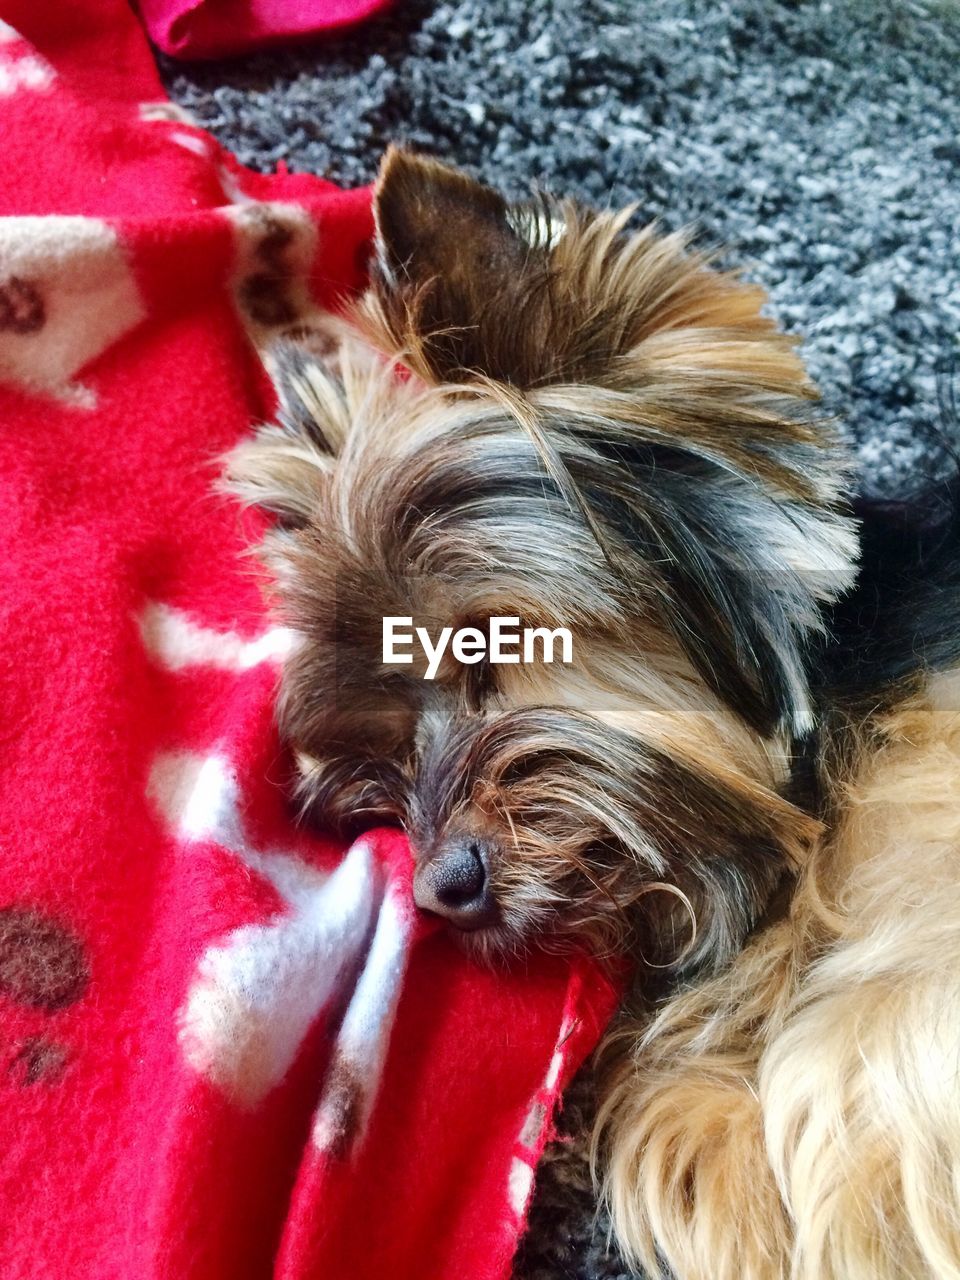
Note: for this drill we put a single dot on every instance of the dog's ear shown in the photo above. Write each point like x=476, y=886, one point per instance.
x=438, y=227
x=456, y=265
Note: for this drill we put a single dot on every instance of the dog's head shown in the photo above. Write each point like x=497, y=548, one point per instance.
x=540, y=414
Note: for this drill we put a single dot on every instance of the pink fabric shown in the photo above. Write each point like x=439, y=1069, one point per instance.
x=212, y=28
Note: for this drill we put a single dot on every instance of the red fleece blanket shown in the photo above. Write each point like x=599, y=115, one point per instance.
x=208, y=29
x=229, y=1048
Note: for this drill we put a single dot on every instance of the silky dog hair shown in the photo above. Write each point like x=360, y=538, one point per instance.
x=797, y=1115
x=538, y=411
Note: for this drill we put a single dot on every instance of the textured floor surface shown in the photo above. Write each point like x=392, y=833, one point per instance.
x=820, y=139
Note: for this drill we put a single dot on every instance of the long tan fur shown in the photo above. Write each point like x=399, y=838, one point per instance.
x=799, y=1116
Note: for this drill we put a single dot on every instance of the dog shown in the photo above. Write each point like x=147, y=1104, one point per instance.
x=538, y=412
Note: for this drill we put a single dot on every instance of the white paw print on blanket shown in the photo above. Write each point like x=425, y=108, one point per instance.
x=66, y=294
x=257, y=991
x=21, y=67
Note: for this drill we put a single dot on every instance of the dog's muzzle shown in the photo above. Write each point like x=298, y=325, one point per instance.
x=455, y=883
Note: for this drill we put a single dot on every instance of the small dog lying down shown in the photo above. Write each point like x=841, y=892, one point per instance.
x=536, y=412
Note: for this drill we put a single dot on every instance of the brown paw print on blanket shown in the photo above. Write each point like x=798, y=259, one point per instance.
x=42, y=966
x=276, y=246
x=22, y=308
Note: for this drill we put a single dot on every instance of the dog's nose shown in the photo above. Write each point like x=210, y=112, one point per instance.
x=454, y=883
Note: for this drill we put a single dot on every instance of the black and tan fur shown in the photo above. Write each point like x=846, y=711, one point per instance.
x=538, y=412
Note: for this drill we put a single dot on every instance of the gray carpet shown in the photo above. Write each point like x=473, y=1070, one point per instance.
x=820, y=139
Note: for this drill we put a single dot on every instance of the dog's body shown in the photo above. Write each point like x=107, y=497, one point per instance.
x=536, y=414
x=798, y=1115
